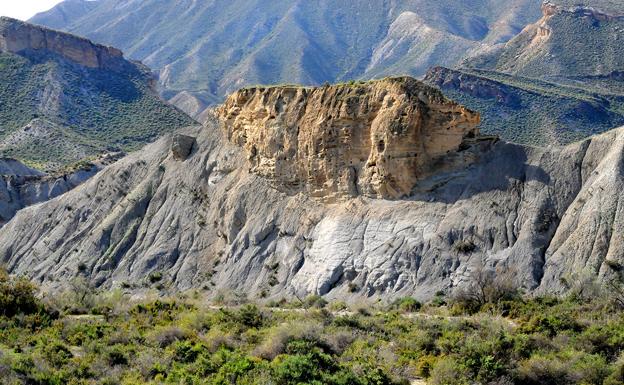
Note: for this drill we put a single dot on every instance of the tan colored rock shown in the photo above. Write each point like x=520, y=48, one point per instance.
x=375, y=139
x=17, y=36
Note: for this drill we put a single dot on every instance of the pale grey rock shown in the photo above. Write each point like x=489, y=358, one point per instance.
x=209, y=223
x=9, y=166
x=22, y=186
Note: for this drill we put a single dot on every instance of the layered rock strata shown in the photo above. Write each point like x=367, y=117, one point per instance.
x=375, y=139
x=17, y=36
x=542, y=216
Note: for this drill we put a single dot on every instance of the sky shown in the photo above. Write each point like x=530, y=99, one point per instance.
x=25, y=9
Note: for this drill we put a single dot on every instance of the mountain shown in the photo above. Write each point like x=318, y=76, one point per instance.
x=355, y=190
x=63, y=98
x=211, y=48
x=557, y=81
x=533, y=111
x=568, y=41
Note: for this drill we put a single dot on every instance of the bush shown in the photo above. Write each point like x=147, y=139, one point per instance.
x=116, y=356
x=551, y=324
x=485, y=287
x=250, y=316
x=314, y=301
x=447, y=371
x=569, y=368
x=408, y=305
x=464, y=246
x=154, y=277
x=17, y=296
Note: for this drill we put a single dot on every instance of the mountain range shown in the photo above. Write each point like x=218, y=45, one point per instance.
x=539, y=72
x=211, y=48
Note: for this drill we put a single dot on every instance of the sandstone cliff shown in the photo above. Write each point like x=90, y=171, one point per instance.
x=17, y=36
x=375, y=138
x=203, y=220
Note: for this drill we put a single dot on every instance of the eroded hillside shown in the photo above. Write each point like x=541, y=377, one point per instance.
x=198, y=216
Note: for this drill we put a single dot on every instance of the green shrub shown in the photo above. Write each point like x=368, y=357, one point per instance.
x=57, y=354
x=17, y=296
x=250, y=316
x=314, y=301
x=566, y=369
x=447, y=371
x=552, y=324
x=117, y=356
x=407, y=305
x=154, y=277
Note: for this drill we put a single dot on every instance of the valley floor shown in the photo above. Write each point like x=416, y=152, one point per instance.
x=83, y=337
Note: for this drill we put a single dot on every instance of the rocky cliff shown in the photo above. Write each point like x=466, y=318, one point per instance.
x=17, y=36
x=375, y=139
x=190, y=211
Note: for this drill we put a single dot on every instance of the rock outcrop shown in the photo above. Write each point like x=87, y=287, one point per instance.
x=375, y=139
x=209, y=223
x=17, y=36
x=21, y=186
x=181, y=146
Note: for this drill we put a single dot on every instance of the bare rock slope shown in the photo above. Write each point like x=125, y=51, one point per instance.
x=21, y=186
x=208, y=220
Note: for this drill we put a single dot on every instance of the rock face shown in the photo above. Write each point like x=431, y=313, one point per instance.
x=181, y=146
x=375, y=139
x=210, y=223
x=17, y=36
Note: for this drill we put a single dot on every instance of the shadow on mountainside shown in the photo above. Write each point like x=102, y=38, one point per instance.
x=500, y=167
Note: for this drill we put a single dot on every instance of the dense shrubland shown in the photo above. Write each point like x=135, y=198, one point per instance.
x=83, y=111
x=487, y=334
